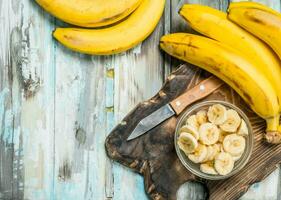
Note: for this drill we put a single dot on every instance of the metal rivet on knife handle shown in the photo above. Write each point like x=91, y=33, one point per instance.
x=200, y=91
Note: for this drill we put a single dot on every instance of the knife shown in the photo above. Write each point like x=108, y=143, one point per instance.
x=176, y=106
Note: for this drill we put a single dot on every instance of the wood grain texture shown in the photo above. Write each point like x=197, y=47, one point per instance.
x=57, y=107
x=153, y=154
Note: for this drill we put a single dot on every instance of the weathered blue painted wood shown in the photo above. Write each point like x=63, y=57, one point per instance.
x=57, y=107
x=35, y=75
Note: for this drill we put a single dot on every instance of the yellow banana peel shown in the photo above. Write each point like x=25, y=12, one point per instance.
x=215, y=24
x=90, y=13
x=115, y=39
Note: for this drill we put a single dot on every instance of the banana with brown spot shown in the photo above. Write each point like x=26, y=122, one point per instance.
x=90, y=13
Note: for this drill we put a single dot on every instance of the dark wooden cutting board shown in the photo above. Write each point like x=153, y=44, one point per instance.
x=153, y=154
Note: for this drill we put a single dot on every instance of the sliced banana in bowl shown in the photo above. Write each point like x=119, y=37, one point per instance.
x=209, y=133
x=217, y=114
x=187, y=143
x=214, y=139
x=232, y=121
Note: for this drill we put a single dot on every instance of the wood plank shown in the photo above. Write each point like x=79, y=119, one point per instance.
x=268, y=189
x=6, y=107
x=138, y=76
x=35, y=76
x=26, y=130
x=79, y=126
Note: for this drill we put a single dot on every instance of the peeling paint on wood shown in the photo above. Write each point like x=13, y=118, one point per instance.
x=57, y=107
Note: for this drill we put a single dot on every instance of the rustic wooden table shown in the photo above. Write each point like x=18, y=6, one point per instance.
x=57, y=107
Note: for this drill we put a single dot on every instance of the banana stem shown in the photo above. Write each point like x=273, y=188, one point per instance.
x=273, y=123
x=273, y=130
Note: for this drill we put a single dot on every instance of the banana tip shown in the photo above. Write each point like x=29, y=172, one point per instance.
x=54, y=32
x=273, y=137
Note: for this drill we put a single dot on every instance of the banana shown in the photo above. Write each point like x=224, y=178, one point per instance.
x=231, y=66
x=187, y=143
x=208, y=168
x=234, y=144
x=217, y=114
x=232, y=122
x=215, y=24
x=213, y=151
x=241, y=4
x=115, y=39
x=224, y=163
x=201, y=117
x=192, y=121
x=209, y=133
x=190, y=129
x=259, y=20
x=243, y=129
x=199, y=155
x=90, y=13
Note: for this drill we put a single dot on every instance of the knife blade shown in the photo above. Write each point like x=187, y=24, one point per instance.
x=175, y=107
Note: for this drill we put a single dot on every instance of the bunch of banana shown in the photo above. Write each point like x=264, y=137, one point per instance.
x=233, y=67
x=264, y=23
x=215, y=24
x=229, y=51
x=90, y=13
x=200, y=140
x=119, y=37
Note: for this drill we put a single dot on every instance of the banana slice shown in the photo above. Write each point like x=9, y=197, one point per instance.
x=192, y=120
x=209, y=133
x=187, y=143
x=221, y=148
x=234, y=144
x=190, y=129
x=243, y=129
x=208, y=168
x=213, y=151
x=222, y=135
x=224, y=163
x=217, y=114
x=201, y=117
x=232, y=122
x=210, y=153
x=216, y=151
x=199, y=154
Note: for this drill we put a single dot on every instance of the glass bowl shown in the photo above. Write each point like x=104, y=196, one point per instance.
x=194, y=167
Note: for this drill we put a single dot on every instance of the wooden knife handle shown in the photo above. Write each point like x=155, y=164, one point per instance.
x=198, y=92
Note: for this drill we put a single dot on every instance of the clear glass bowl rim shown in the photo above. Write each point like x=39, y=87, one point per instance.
x=245, y=157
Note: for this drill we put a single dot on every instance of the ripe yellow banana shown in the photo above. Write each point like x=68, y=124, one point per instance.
x=260, y=20
x=90, y=13
x=115, y=39
x=214, y=24
x=231, y=66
